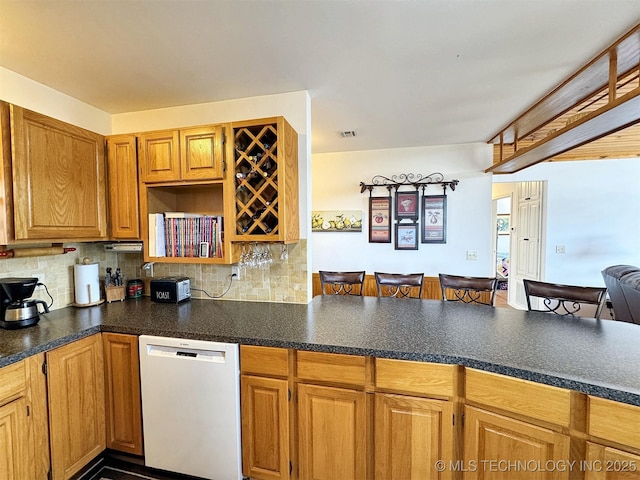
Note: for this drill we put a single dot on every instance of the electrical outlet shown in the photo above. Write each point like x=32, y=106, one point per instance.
x=560, y=249
x=472, y=255
x=235, y=271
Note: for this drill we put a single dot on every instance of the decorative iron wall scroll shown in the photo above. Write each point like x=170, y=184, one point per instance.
x=408, y=187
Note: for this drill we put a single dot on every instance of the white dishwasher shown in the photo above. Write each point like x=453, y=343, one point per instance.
x=191, y=406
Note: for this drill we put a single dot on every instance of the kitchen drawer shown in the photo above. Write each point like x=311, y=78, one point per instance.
x=13, y=382
x=416, y=377
x=614, y=421
x=331, y=367
x=534, y=400
x=269, y=361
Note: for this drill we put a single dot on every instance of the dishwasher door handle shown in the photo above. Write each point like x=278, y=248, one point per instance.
x=214, y=356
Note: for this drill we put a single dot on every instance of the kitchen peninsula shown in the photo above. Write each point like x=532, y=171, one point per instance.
x=599, y=357
x=370, y=364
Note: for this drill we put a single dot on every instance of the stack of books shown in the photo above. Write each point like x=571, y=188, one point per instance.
x=179, y=234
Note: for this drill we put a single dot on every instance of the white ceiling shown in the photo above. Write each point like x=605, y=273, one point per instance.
x=399, y=73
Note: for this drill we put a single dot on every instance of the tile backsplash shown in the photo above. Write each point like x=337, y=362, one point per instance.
x=284, y=280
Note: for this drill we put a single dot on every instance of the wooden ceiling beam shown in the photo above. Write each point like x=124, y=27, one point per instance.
x=601, y=98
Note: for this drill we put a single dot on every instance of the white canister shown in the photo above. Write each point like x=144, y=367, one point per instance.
x=87, y=283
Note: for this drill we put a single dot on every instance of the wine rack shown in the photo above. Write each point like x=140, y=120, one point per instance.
x=264, y=175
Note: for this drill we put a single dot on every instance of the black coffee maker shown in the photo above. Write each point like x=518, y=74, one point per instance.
x=16, y=309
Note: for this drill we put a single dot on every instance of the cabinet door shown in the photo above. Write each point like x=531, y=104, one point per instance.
x=122, y=167
x=606, y=463
x=265, y=428
x=501, y=448
x=332, y=424
x=411, y=435
x=7, y=234
x=159, y=156
x=59, y=179
x=264, y=183
x=75, y=381
x=14, y=457
x=122, y=392
x=201, y=153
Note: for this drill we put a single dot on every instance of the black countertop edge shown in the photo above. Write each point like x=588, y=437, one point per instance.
x=538, y=377
x=58, y=342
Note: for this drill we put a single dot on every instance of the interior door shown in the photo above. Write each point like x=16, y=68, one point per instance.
x=526, y=240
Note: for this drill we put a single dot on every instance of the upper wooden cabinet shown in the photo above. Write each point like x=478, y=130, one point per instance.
x=58, y=187
x=188, y=154
x=158, y=156
x=201, y=153
x=122, y=168
x=264, y=184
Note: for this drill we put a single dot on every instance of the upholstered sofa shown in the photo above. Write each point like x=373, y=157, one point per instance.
x=623, y=286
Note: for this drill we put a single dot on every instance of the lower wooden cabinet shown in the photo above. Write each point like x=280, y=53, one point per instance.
x=502, y=448
x=612, y=427
x=75, y=379
x=332, y=433
x=24, y=434
x=607, y=463
x=265, y=428
x=411, y=435
x=14, y=437
x=122, y=393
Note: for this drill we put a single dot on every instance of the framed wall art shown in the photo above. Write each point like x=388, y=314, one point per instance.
x=336, y=221
x=379, y=219
x=406, y=236
x=502, y=223
x=434, y=219
x=407, y=206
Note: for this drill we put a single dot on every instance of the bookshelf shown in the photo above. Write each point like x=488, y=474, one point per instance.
x=201, y=198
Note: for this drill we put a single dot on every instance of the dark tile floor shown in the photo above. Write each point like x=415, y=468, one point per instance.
x=116, y=469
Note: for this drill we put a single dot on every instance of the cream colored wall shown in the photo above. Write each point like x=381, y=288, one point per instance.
x=290, y=105
x=19, y=90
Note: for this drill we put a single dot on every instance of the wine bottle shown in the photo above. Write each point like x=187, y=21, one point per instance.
x=245, y=228
x=256, y=215
x=243, y=194
x=270, y=222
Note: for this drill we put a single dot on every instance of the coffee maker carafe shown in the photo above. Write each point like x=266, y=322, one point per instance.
x=16, y=309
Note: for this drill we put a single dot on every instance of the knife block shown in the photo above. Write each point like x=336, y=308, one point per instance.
x=114, y=293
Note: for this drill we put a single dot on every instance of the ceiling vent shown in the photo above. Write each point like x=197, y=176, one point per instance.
x=348, y=133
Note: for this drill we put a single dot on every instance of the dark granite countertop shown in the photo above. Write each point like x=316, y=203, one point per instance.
x=601, y=358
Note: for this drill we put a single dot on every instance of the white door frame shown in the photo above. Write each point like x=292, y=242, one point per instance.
x=509, y=189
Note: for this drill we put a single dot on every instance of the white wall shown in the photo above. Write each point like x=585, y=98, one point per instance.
x=593, y=210
x=335, y=186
